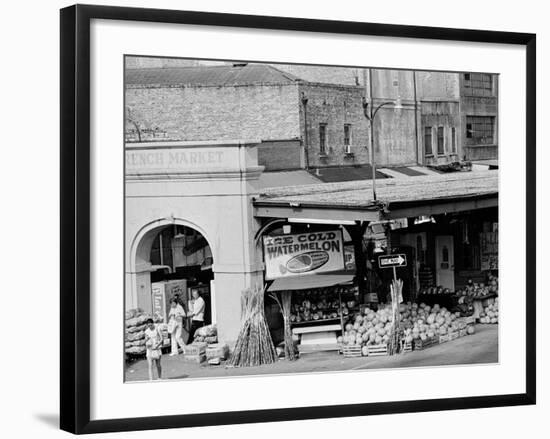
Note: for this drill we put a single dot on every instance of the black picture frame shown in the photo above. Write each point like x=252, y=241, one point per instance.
x=75, y=217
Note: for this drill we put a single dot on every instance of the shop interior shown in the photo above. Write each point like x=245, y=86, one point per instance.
x=182, y=262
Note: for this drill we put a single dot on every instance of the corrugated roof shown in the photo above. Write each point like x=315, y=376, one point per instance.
x=242, y=74
x=286, y=178
x=347, y=173
x=359, y=193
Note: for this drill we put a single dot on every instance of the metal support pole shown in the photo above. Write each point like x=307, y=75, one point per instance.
x=372, y=158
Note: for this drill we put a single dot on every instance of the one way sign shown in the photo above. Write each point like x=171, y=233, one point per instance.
x=388, y=261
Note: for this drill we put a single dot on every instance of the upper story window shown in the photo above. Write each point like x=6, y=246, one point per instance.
x=478, y=84
x=428, y=149
x=440, y=140
x=480, y=130
x=323, y=138
x=347, y=138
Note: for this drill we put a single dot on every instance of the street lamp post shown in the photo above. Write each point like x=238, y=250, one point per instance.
x=370, y=112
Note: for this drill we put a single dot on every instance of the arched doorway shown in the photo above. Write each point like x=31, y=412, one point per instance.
x=171, y=258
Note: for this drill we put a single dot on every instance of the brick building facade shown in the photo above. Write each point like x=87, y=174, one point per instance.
x=302, y=119
x=479, y=115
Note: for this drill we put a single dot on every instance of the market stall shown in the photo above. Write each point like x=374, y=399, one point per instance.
x=318, y=305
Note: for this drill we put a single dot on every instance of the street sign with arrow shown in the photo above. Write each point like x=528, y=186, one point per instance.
x=389, y=261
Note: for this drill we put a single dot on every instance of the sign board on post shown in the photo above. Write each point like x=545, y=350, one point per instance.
x=389, y=261
x=304, y=253
x=393, y=261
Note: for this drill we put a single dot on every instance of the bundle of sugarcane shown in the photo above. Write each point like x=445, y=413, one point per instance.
x=393, y=343
x=283, y=299
x=254, y=345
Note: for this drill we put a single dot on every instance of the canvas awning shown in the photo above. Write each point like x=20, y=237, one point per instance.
x=310, y=281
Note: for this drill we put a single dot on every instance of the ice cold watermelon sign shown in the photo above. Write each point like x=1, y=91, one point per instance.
x=305, y=253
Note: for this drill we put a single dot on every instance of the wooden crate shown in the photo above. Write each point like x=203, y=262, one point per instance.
x=197, y=359
x=420, y=345
x=377, y=350
x=351, y=351
x=195, y=348
x=406, y=347
x=453, y=335
x=218, y=350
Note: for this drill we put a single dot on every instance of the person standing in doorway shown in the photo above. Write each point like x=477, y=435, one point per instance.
x=197, y=314
x=153, y=343
x=175, y=325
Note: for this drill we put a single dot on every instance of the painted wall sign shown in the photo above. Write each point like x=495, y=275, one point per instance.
x=304, y=253
x=176, y=159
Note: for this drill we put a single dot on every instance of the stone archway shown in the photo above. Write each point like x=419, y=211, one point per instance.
x=140, y=263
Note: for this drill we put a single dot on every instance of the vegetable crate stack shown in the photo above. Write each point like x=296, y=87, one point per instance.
x=203, y=339
x=134, y=343
x=195, y=352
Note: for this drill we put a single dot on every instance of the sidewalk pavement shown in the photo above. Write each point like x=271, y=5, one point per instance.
x=479, y=348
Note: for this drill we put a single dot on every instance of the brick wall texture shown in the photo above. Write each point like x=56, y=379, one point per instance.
x=280, y=156
x=335, y=106
x=214, y=113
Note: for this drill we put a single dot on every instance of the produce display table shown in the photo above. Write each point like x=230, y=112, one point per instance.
x=318, y=337
x=321, y=296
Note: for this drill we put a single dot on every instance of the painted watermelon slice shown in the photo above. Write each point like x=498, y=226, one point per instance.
x=309, y=261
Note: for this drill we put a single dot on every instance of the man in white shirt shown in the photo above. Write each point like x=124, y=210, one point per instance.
x=197, y=313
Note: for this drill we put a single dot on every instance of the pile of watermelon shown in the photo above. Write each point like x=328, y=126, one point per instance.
x=421, y=321
x=368, y=328
x=417, y=322
x=489, y=314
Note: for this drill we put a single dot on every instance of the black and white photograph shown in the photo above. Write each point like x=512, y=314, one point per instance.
x=275, y=219
x=304, y=219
